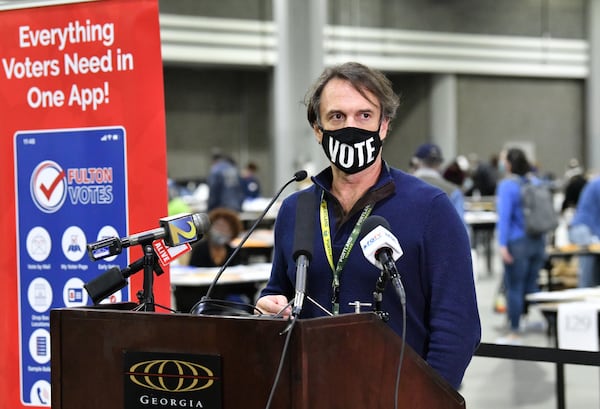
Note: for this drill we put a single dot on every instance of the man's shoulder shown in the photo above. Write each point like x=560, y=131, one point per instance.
x=433, y=182
x=446, y=186
x=419, y=190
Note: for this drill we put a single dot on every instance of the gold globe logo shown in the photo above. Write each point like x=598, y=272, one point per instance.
x=169, y=375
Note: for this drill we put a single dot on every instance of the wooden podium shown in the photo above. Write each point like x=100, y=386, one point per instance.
x=347, y=361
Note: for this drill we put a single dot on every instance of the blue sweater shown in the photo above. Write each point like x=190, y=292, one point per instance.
x=436, y=269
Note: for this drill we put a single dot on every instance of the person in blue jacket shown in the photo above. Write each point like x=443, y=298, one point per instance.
x=350, y=108
x=585, y=230
x=523, y=255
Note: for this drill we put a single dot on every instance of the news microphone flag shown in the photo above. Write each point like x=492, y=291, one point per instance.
x=378, y=239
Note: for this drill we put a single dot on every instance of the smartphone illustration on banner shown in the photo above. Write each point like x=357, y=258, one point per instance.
x=71, y=189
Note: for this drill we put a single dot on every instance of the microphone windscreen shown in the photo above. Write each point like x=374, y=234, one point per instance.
x=371, y=223
x=184, y=228
x=375, y=237
x=300, y=175
x=106, y=284
x=202, y=223
x=305, y=225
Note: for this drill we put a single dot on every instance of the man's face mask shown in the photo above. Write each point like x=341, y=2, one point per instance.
x=351, y=149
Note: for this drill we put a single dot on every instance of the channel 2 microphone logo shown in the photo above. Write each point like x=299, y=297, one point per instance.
x=48, y=186
x=181, y=229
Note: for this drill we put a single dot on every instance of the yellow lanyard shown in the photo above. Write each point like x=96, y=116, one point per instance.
x=326, y=232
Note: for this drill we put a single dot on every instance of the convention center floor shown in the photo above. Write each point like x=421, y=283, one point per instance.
x=494, y=383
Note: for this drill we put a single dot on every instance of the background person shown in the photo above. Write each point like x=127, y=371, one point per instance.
x=585, y=230
x=522, y=255
x=212, y=251
x=225, y=188
x=429, y=159
x=457, y=171
x=353, y=105
x=176, y=204
x=215, y=248
x=250, y=181
x=574, y=181
x=485, y=177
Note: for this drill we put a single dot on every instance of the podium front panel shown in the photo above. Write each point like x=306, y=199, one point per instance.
x=347, y=361
x=88, y=346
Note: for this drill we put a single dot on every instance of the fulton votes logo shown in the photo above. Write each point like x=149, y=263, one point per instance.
x=50, y=185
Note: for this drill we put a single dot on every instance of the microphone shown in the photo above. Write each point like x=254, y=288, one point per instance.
x=113, y=280
x=303, y=245
x=200, y=307
x=175, y=230
x=105, y=284
x=382, y=249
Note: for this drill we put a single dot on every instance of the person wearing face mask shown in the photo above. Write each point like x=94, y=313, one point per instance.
x=214, y=249
x=428, y=161
x=211, y=252
x=350, y=108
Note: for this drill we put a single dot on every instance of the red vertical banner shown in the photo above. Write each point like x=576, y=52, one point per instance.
x=82, y=157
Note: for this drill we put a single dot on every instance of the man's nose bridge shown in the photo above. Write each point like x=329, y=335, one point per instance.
x=350, y=121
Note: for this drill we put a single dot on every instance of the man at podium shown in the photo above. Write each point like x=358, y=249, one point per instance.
x=350, y=108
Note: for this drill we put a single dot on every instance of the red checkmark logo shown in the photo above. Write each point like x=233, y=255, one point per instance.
x=48, y=190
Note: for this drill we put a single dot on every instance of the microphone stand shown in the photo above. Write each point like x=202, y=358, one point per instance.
x=150, y=266
x=146, y=298
x=378, y=296
x=115, y=279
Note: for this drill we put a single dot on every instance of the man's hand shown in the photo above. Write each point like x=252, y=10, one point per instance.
x=274, y=304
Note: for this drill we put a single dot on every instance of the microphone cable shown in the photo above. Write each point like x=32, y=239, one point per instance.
x=402, y=348
x=288, y=335
x=392, y=272
x=298, y=176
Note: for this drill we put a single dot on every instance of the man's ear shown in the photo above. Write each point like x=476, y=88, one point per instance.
x=318, y=133
x=383, y=129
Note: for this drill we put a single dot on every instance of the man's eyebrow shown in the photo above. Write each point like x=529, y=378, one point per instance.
x=368, y=110
x=334, y=111
x=339, y=111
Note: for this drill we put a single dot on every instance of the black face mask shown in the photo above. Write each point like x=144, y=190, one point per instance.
x=351, y=149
